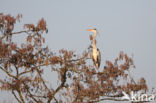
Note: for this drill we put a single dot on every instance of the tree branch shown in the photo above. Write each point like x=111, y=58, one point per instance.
x=20, y=95
x=7, y=73
x=4, y=35
x=63, y=76
x=16, y=96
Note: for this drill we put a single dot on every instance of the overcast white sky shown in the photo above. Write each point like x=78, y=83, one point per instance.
x=123, y=25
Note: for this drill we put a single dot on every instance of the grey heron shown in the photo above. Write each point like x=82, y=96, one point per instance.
x=96, y=56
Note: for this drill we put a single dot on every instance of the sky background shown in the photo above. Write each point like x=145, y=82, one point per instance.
x=123, y=25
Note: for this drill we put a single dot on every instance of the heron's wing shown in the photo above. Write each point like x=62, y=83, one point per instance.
x=99, y=58
x=94, y=60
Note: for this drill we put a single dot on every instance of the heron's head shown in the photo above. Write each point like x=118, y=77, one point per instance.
x=92, y=30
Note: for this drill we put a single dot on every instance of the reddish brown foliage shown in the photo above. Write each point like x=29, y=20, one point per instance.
x=79, y=82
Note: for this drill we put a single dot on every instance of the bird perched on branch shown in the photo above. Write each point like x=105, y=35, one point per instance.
x=96, y=56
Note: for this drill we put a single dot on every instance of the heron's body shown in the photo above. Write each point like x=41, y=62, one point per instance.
x=96, y=57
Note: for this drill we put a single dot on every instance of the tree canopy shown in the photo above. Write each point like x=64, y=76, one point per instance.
x=79, y=81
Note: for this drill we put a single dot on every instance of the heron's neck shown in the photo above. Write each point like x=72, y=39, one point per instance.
x=95, y=34
x=94, y=44
x=94, y=41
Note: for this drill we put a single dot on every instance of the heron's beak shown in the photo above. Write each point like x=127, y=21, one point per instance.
x=90, y=29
